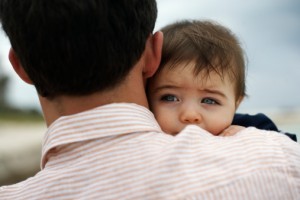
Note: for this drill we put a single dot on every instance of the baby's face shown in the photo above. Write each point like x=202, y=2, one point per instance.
x=178, y=98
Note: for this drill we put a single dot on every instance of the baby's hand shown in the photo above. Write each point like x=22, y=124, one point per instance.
x=231, y=130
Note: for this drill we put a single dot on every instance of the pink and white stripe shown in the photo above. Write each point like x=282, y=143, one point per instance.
x=118, y=151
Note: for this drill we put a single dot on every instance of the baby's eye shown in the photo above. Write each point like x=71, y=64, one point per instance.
x=169, y=97
x=209, y=101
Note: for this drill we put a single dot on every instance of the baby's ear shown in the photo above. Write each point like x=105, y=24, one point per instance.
x=15, y=62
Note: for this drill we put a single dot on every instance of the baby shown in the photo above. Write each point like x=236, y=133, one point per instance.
x=201, y=79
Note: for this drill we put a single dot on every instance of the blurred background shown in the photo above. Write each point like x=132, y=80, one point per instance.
x=269, y=31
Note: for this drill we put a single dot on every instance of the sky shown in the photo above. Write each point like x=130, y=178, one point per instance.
x=269, y=31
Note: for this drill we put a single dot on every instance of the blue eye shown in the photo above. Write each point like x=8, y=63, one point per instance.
x=169, y=97
x=209, y=101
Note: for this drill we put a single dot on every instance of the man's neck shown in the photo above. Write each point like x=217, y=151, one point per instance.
x=130, y=91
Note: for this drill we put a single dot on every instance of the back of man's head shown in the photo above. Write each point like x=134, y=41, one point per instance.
x=77, y=47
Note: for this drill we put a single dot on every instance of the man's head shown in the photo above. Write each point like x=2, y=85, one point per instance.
x=77, y=47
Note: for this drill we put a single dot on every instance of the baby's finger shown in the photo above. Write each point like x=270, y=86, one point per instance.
x=232, y=130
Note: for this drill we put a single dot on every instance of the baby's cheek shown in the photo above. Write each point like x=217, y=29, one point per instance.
x=218, y=126
x=167, y=118
x=165, y=123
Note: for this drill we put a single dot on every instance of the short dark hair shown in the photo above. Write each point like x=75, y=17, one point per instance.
x=77, y=47
x=210, y=45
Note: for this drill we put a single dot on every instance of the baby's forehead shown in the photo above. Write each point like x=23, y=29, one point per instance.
x=200, y=70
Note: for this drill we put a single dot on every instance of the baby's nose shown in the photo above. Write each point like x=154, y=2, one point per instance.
x=191, y=116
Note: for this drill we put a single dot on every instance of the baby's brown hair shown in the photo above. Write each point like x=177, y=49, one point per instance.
x=211, y=46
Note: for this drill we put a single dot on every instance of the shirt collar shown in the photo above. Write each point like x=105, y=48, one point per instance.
x=103, y=121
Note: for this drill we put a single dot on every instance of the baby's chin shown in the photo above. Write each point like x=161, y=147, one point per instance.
x=172, y=132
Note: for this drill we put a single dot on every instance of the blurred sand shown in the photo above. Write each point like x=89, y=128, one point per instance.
x=20, y=150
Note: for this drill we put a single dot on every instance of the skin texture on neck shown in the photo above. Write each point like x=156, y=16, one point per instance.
x=130, y=91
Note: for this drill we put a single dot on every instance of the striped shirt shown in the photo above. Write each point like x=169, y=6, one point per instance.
x=118, y=151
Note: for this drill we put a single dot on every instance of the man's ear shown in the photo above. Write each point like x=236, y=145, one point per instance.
x=153, y=54
x=15, y=62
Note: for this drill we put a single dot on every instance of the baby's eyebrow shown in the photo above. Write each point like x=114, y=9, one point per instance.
x=218, y=92
x=162, y=87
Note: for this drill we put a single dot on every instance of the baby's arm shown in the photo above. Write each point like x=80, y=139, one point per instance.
x=231, y=130
x=260, y=121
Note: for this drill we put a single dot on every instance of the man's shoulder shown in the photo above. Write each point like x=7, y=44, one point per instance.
x=159, y=166
x=250, y=137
